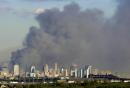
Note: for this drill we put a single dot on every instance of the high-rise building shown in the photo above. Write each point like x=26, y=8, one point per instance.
x=56, y=70
x=46, y=70
x=62, y=71
x=73, y=71
x=33, y=69
x=16, y=70
x=87, y=71
x=80, y=73
x=76, y=72
x=51, y=72
x=66, y=72
x=55, y=66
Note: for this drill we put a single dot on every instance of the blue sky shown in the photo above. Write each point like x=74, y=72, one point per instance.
x=16, y=16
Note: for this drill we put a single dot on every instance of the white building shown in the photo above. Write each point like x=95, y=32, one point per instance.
x=16, y=70
x=76, y=72
x=46, y=70
x=56, y=70
x=33, y=71
x=88, y=71
x=81, y=73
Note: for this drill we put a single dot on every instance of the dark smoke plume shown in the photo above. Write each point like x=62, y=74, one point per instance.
x=76, y=36
x=118, y=39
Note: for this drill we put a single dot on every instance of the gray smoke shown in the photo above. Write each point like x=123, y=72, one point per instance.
x=78, y=36
x=118, y=39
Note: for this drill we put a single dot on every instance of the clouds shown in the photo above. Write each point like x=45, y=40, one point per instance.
x=4, y=9
x=39, y=11
x=7, y=7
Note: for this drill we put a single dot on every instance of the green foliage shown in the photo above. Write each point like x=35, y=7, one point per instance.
x=86, y=84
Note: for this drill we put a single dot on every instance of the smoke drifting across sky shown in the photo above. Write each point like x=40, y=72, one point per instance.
x=76, y=36
x=48, y=0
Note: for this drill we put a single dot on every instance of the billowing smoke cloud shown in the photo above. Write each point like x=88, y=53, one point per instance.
x=118, y=38
x=76, y=36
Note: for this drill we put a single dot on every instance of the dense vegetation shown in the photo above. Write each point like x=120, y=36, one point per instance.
x=74, y=85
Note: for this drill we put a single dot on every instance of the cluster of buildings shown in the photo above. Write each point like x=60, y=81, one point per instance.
x=55, y=72
x=59, y=71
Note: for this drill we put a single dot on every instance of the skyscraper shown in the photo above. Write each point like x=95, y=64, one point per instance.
x=73, y=71
x=56, y=70
x=16, y=70
x=87, y=71
x=80, y=73
x=33, y=71
x=46, y=70
x=55, y=66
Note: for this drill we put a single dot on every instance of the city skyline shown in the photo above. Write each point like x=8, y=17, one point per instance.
x=59, y=74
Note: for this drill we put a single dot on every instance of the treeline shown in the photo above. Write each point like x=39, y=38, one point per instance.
x=74, y=85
